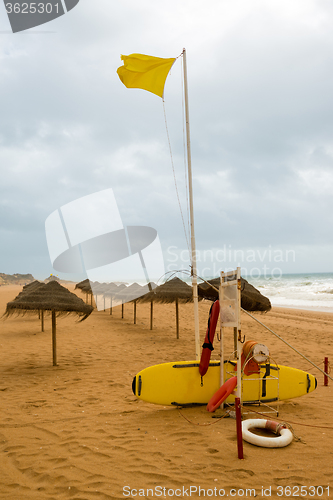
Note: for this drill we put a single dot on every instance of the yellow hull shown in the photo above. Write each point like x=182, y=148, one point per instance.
x=180, y=383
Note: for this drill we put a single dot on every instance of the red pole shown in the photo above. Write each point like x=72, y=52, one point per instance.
x=239, y=429
x=326, y=371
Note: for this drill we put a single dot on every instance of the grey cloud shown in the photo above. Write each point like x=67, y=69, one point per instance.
x=260, y=112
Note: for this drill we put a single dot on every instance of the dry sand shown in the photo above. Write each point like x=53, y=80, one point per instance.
x=76, y=431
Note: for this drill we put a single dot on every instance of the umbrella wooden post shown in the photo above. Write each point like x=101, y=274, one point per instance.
x=42, y=319
x=122, y=310
x=177, y=318
x=151, y=314
x=54, y=339
x=135, y=312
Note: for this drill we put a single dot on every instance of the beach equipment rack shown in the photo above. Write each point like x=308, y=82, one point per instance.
x=230, y=317
x=271, y=376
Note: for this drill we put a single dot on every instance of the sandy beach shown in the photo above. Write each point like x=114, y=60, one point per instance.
x=76, y=431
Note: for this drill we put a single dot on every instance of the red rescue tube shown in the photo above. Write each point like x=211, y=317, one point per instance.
x=221, y=395
x=274, y=426
x=208, y=344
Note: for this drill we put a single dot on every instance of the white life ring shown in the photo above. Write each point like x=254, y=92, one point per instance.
x=283, y=439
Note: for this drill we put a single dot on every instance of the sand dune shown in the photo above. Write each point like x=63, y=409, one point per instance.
x=76, y=430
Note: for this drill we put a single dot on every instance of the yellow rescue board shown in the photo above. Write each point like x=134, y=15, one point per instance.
x=180, y=383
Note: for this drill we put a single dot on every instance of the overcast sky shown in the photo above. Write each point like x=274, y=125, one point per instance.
x=260, y=79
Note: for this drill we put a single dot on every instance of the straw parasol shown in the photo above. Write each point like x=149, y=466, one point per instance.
x=110, y=291
x=251, y=298
x=49, y=297
x=30, y=286
x=82, y=284
x=116, y=296
x=99, y=289
x=174, y=290
x=131, y=294
x=170, y=291
x=27, y=289
x=85, y=287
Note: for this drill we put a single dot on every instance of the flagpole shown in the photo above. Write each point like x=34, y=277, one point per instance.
x=193, y=251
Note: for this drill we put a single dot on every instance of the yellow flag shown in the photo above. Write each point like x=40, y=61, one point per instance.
x=145, y=72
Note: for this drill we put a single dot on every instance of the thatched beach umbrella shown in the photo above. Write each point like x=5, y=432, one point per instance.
x=251, y=298
x=27, y=289
x=120, y=296
x=30, y=286
x=89, y=289
x=131, y=294
x=50, y=297
x=117, y=297
x=82, y=284
x=174, y=290
x=170, y=291
x=99, y=290
x=85, y=287
x=110, y=291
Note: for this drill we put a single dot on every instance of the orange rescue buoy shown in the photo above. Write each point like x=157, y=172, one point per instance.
x=221, y=395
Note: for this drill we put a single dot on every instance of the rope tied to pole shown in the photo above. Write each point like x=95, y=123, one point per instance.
x=218, y=418
x=294, y=423
x=287, y=343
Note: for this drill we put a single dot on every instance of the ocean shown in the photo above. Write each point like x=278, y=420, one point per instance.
x=311, y=291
